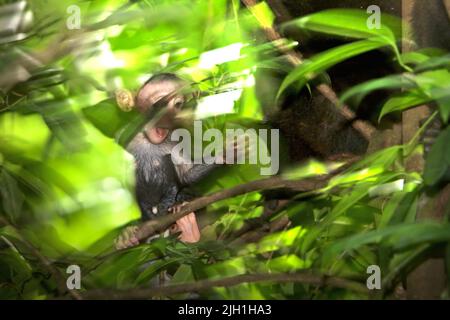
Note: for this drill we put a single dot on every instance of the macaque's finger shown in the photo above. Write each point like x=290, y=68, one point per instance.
x=177, y=208
x=127, y=239
x=118, y=243
x=188, y=226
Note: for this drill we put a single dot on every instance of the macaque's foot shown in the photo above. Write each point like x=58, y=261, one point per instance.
x=187, y=225
x=127, y=239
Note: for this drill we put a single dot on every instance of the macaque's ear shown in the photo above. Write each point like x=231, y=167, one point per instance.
x=125, y=99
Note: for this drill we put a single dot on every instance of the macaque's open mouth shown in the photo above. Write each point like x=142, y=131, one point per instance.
x=161, y=132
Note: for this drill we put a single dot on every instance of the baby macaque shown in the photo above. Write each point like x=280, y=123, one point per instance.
x=159, y=182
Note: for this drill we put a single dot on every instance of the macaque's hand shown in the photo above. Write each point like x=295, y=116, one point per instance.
x=127, y=238
x=233, y=148
x=187, y=225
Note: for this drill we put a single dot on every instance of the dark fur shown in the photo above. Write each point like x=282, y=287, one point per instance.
x=160, y=184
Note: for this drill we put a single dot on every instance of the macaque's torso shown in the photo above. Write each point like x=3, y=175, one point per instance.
x=157, y=183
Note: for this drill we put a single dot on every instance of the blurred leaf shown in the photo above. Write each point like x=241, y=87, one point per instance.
x=349, y=23
x=359, y=92
x=399, y=208
x=12, y=197
x=311, y=68
x=263, y=14
x=438, y=160
x=433, y=63
x=403, y=101
x=153, y=269
x=399, y=237
x=107, y=117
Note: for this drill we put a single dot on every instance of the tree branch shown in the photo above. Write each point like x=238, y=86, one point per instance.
x=154, y=226
x=149, y=228
x=202, y=285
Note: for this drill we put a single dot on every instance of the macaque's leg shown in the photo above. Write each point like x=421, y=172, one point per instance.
x=127, y=238
x=187, y=225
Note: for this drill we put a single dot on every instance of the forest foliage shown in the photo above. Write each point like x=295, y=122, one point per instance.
x=66, y=182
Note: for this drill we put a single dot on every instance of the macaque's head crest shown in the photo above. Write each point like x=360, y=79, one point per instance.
x=163, y=90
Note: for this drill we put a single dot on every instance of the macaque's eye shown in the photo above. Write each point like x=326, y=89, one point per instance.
x=178, y=103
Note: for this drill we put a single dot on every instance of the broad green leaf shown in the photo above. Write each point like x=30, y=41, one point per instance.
x=263, y=14
x=434, y=63
x=403, y=101
x=436, y=85
x=414, y=57
x=286, y=263
x=398, y=237
x=275, y=241
x=113, y=122
x=107, y=117
x=349, y=23
x=348, y=201
x=183, y=274
x=384, y=158
x=359, y=92
x=438, y=160
x=321, y=62
x=12, y=197
x=397, y=208
x=154, y=268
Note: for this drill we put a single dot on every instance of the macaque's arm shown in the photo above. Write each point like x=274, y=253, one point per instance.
x=189, y=173
x=194, y=173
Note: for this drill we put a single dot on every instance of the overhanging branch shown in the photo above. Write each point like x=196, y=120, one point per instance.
x=202, y=285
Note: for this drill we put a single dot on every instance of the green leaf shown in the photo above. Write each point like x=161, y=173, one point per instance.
x=321, y=62
x=263, y=14
x=348, y=201
x=12, y=197
x=107, y=117
x=414, y=57
x=398, y=208
x=383, y=158
x=438, y=160
x=434, y=63
x=154, y=269
x=359, y=92
x=349, y=23
x=403, y=101
x=398, y=237
x=436, y=85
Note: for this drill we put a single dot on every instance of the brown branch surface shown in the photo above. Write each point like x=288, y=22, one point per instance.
x=202, y=285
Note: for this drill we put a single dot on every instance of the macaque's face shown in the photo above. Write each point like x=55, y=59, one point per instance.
x=168, y=92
